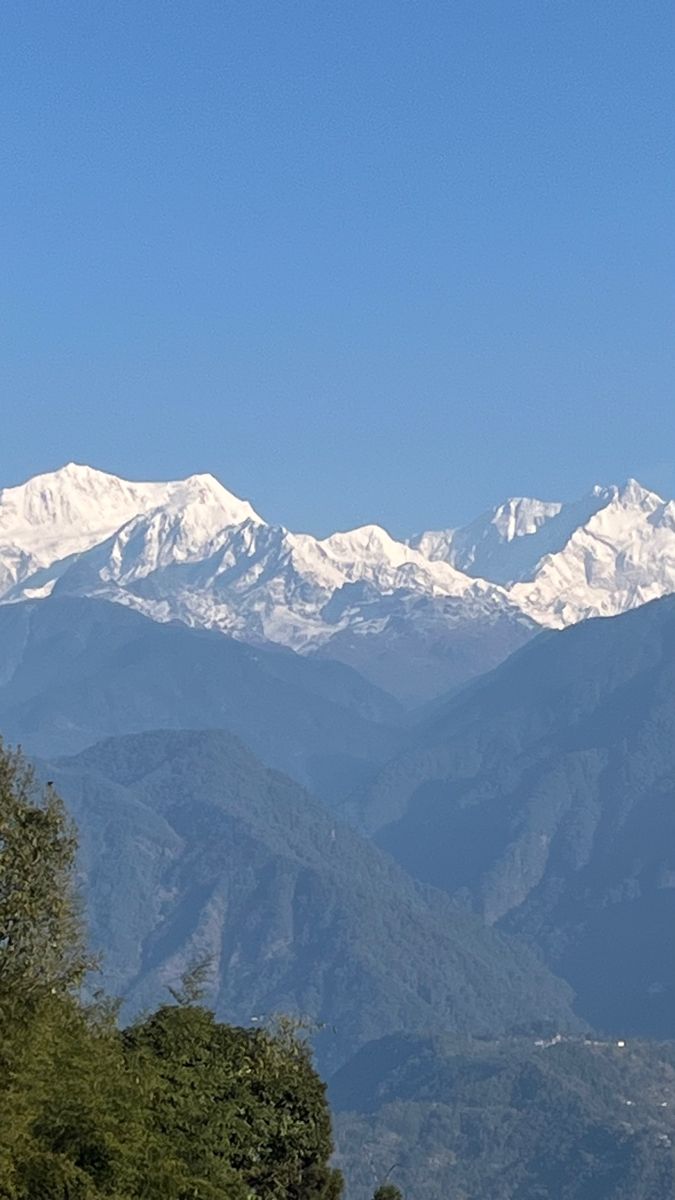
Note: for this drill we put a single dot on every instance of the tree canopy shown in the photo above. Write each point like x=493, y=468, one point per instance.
x=177, y=1107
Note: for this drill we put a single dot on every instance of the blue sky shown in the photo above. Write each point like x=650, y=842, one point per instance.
x=365, y=261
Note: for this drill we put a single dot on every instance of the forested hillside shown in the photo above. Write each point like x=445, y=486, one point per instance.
x=178, y=1106
x=190, y=847
x=543, y=798
x=75, y=670
x=529, y=1118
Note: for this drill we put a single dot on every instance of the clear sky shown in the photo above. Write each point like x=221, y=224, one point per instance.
x=365, y=260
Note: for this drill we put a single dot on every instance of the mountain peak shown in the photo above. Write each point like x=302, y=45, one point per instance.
x=632, y=492
x=522, y=515
x=205, y=479
x=371, y=540
x=73, y=469
x=67, y=475
x=76, y=507
x=208, y=493
x=192, y=550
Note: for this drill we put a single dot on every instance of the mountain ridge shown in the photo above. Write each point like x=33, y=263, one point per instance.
x=190, y=847
x=74, y=670
x=416, y=617
x=541, y=796
x=206, y=558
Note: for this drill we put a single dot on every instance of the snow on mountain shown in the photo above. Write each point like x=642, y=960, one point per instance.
x=255, y=581
x=191, y=551
x=66, y=512
x=371, y=554
x=412, y=616
x=622, y=557
x=610, y=551
x=507, y=543
x=516, y=518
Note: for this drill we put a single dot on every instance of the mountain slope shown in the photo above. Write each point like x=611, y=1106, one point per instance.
x=190, y=847
x=192, y=551
x=611, y=551
x=544, y=797
x=64, y=513
x=624, y=556
x=508, y=1120
x=413, y=627
x=415, y=618
x=508, y=542
x=75, y=670
x=418, y=647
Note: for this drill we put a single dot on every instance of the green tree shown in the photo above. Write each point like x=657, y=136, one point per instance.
x=41, y=932
x=179, y=1107
x=237, y=1106
x=388, y=1191
x=83, y=1132
x=42, y=963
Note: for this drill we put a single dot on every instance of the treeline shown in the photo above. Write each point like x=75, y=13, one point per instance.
x=176, y=1107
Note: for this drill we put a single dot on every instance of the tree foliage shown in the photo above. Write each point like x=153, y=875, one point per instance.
x=41, y=939
x=179, y=1107
x=236, y=1104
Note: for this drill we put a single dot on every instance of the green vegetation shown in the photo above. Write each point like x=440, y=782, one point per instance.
x=527, y=1118
x=177, y=1107
x=190, y=846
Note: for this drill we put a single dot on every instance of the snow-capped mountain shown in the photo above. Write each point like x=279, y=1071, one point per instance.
x=353, y=596
x=416, y=617
x=58, y=515
x=189, y=550
x=561, y=563
x=248, y=578
x=620, y=558
x=507, y=543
